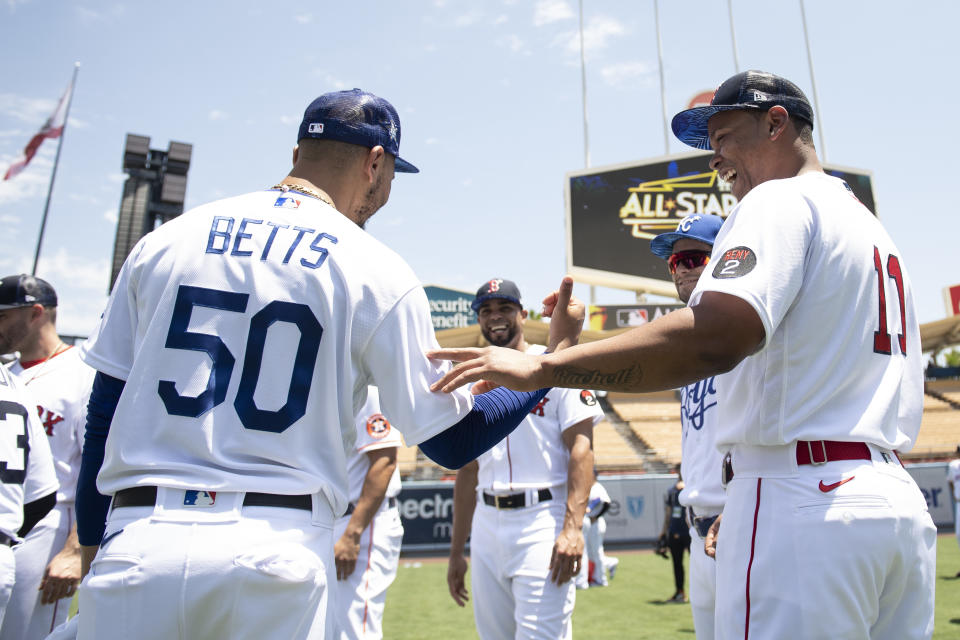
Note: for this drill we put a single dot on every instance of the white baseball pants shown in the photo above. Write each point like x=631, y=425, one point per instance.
x=841, y=550
x=362, y=596
x=227, y=572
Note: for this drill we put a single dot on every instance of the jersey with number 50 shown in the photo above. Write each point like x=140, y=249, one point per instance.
x=841, y=359
x=26, y=464
x=247, y=331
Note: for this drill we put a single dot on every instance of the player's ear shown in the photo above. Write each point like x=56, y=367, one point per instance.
x=296, y=153
x=776, y=120
x=374, y=163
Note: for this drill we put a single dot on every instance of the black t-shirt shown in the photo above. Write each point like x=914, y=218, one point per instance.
x=678, y=524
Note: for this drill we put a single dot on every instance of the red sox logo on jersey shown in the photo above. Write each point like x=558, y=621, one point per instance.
x=49, y=419
x=538, y=410
x=377, y=426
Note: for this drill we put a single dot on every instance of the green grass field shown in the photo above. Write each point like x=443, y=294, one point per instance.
x=418, y=605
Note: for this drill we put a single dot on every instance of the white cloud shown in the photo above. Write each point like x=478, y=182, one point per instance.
x=216, y=114
x=431, y=141
x=9, y=218
x=597, y=34
x=430, y=48
x=111, y=216
x=289, y=120
x=622, y=72
x=513, y=42
x=29, y=183
x=329, y=79
x=501, y=19
x=116, y=178
x=304, y=19
x=548, y=11
x=34, y=111
x=468, y=19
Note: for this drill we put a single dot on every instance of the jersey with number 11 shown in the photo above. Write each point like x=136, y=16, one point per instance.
x=247, y=332
x=841, y=359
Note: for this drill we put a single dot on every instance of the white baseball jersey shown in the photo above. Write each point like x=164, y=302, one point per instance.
x=374, y=432
x=27, y=473
x=247, y=331
x=841, y=359
x=61, y=386
x=700, y=459
x=953, y=475
x=534, y=456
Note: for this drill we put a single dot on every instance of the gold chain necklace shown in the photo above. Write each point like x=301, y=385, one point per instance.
x=296, y=186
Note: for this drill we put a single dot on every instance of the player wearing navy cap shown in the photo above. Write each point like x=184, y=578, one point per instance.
x=48, y=559
x=233, y=357
x=808, y=302
x=522, y=502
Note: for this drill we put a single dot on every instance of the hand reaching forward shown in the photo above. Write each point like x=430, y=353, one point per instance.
x=496, y=366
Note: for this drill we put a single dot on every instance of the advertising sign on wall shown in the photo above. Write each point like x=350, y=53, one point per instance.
x=450, y=308
x=613, y=212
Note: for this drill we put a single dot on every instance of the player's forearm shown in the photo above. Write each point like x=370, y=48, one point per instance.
x=371, y=495
x=464, y=503
x=682, y=347
x=579, y=481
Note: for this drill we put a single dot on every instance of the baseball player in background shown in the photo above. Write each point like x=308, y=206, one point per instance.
x=369, y=534
x=28, y=481
x=953, y=479
x=687, y=252
x=48, y=560
x=808, y=302
x=596, y=564
x=523, y=501
x=675, y=536
x=232, y=359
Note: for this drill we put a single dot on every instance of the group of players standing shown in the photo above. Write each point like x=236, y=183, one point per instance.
x=224, y=487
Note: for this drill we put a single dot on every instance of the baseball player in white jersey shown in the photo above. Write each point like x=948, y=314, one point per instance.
x=596, y=564
x=523, y=501
x=26, y=473
x=824, y=533
x=233, y=357
x=48, y=560
x=953, y=479
x=687, y=251
x=368, y=536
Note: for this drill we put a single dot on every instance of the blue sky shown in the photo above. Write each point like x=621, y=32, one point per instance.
x=489, y=99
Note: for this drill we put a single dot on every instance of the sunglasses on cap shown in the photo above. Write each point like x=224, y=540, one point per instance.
x=689, y=259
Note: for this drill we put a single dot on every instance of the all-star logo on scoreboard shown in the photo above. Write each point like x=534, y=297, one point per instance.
x=613, y=212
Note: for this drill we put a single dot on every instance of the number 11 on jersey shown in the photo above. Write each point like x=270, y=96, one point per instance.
x=881, y=337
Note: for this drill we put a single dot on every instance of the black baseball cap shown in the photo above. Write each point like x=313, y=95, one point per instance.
x=747, y=90
x=358, y=117
x=496, y=288
x=23, y=291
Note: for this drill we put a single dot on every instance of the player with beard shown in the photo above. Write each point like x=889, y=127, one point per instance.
x=525, y=500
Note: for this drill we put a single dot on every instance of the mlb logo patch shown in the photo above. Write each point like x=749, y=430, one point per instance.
x=286, y=202
x=194, y=498
x=315, y=127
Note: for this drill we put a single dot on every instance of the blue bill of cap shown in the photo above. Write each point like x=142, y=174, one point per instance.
x=402, y=166
x=690, y=126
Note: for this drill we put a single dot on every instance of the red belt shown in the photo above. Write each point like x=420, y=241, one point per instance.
x=821, y=451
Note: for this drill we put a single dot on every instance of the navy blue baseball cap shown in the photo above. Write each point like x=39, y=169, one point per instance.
x=496, y=288
x=357, y=117
x=747, y=90
x=25, y=291
x=699, y=226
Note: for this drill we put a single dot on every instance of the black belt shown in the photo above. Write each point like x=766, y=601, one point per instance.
x=391, y=503
x=147, y=497
x=7, y=541
x=702, y=525
x=514, y=500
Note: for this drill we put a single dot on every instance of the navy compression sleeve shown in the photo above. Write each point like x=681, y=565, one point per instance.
x=494, y=416
x=92, y=506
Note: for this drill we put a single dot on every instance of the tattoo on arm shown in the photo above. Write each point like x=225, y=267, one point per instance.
x=567, y=376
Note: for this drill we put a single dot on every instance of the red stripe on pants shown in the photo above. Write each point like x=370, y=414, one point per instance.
x=753, y=543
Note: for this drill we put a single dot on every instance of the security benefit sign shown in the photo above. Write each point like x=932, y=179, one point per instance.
x=613, y=212
x=450, y=308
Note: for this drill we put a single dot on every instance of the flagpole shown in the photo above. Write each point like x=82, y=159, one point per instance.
x=53, y=175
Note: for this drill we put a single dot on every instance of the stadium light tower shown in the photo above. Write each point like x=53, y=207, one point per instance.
x=153, y=193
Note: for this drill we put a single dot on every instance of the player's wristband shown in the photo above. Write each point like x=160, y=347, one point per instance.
x=91, y=505
x=494, y=416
